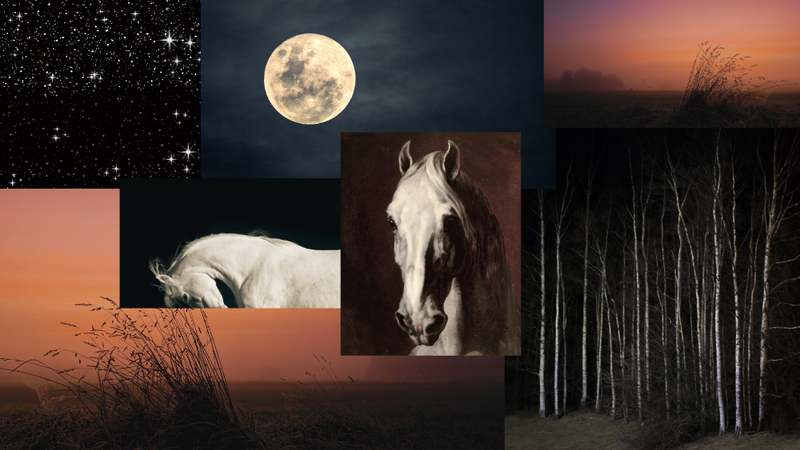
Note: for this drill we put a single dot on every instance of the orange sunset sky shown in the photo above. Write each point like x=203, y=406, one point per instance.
x=61, y=247
x=658, y=40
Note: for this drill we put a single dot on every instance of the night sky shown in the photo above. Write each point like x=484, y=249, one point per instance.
x=91, y=92
x=420, y=66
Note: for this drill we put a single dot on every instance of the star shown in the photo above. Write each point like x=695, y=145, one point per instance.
x=19, y=16
x=13, y=183
x=175, y=114
x=105, y=20
x=169, y=39
x=190, y=42
x=56, y=128
x=176, y=61
x=93, y=75
x=56, y=138
x=188, y=151
x=135, y=14
x=116, y=169
x=13, y=175
x=106, y=172
x=52, y=77
x=186, y=169
x=170, y=159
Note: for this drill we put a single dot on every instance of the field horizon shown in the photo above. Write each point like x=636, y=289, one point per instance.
x=662, y=109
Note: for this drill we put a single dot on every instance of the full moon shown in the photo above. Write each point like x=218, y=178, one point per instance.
x=309, y=79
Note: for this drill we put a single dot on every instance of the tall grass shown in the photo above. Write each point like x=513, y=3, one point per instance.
x=147, y=379
x=720, y=89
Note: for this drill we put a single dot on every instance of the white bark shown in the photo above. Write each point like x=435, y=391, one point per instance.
x=738, y=430
x=584, y=374
x=541, y=317
x=585, y=389
x=717, y=276
x=636, y=293
x=673, y=181
x=611, y=360
x=599, y=347
x=624, y=347
x=771, y=227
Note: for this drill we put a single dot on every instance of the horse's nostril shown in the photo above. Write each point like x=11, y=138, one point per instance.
x=436, y=327
x=401, y=321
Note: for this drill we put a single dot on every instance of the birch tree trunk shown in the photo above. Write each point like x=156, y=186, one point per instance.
x=584, y=374
x=636, y=294
x=541, y=316
x=673, y=181
x=559, y=321
x=717, y=277
x=599, y=316
x=765, y=293
x=624, y=348
x=738, y=430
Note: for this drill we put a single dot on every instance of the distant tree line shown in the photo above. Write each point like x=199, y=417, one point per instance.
x=588, y=79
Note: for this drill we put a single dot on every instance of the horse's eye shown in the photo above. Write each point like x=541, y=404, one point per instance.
x=450, y=223
x=392, y=225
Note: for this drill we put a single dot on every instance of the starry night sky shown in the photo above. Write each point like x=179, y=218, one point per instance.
x=420, y=67
x=94, y=91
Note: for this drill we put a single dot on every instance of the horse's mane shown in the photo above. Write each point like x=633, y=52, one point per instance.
x=158, y=268
x=484, y=238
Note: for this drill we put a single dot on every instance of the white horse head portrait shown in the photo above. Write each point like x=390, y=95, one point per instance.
x=458, y=297
x=261, y=272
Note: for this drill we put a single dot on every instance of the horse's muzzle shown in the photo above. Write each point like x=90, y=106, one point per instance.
x=426, y=329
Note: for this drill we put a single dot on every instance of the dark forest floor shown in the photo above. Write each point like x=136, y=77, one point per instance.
x=587, y=430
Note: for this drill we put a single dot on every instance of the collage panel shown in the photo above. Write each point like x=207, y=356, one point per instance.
x=183, y=378
x=665, y=64
x=275, y=101
x=92, y=93
x=661, y=287
x=449, y=284
x=230, y=243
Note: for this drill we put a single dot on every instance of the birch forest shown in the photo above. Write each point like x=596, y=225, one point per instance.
x=661, y=283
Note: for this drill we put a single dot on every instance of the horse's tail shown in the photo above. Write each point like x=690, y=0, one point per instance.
x=166, y=283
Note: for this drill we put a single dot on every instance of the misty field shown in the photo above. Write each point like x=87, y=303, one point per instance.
x=154, y=379
x=660, y=109
x=380, y=415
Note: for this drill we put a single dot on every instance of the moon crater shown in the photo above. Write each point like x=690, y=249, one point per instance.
x=309, y=79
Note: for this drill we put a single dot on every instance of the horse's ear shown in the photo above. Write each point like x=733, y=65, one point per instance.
x=452, y=161
x=405, y=158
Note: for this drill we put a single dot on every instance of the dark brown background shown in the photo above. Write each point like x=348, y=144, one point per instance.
x=371, y=281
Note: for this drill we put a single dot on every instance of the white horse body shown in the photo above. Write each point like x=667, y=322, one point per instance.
x=458, y=298
x=260, y=271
